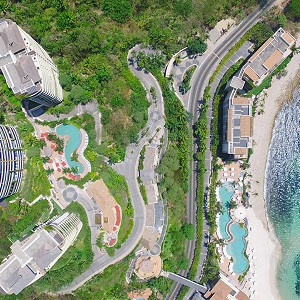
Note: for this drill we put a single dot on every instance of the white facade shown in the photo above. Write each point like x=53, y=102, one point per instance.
x=11, y=161
x=32, y=256
x=27, y=67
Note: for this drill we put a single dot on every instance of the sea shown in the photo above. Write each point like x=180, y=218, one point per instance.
x=282, y=192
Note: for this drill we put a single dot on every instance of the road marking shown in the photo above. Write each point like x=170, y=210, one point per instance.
x=215, y=55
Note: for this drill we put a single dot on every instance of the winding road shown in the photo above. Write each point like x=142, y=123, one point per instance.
x=129, y=169
x=198, y=84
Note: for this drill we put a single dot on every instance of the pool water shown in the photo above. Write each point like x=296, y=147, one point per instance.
x=73, y=143
x=225, y=196
x=236, y=248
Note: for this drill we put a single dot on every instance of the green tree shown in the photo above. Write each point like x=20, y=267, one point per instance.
x=293, y=10
x=260, y=32
x=189, y=231
x=79, y=95
x=65, y=81
x=196, y=46
x=118, y=10
x=103, y=74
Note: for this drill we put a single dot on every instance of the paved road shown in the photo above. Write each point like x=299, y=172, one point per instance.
x=129, y=168
x=199, y=82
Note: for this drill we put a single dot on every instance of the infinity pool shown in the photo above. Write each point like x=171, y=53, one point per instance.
x=236, y=248
x=73, y=143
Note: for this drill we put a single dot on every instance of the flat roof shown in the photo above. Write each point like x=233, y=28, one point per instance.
x=245, y=126
x=241, y=100
x=273, y=59
x=251, y=73
x=241, y=151
x=270, y=54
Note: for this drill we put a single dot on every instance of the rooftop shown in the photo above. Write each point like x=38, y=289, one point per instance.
x=223, y=290
x=35, y=254
x=270, y=54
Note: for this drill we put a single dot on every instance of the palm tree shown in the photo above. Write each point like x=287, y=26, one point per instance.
x=232, y=204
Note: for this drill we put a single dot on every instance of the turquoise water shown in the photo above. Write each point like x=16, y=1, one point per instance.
x=283, y=195
x=236, y=248
x=72, y=144
x=225, y=196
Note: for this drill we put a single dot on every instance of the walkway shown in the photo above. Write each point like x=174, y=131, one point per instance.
x=182, y=280
x=129, y=169
x=90, y=108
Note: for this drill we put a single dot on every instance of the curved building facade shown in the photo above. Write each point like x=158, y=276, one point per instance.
x=27, y=67
x=11, y=161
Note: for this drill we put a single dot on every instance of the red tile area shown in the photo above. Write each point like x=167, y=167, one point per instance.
x=112, y=242
x=118, y=212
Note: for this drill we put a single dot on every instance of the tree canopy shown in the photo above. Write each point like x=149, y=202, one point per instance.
x=196, y=46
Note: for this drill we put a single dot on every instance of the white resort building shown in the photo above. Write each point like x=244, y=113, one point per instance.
x=11, y=161
x=32, y=256
x=237, y=109
x=28, y=69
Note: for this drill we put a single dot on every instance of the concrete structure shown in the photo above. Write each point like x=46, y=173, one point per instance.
x=11, y=161
x=237, y=124
x=223, y=290
x=32, y=256
x=237, y=111
x=28, y=69
x=147, y=267
x=268, y=56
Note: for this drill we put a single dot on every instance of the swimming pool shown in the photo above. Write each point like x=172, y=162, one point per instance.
x=225, y=196
x=73, y=143
x=236, y=248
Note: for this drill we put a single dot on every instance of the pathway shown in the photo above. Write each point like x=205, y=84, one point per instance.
x=91, y=108
x=187, y=282
x=129, y=169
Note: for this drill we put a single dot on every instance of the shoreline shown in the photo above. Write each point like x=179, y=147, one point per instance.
x=262, y=237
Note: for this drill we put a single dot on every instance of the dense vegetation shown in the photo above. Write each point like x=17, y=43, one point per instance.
x=19, y=219
x=89, y=41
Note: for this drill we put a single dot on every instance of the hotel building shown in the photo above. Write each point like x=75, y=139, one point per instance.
x=11, y=161
x=32, y=256
x=237, y=110
x=268, y=56
x=28, y=69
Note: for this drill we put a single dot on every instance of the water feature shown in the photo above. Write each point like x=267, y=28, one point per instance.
x=225, y=196
x=283, y=195
x=236, y=248
x=73, y=143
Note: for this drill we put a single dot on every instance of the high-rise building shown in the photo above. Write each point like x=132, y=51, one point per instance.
x=27, y=68
x=32, y=256
x=11, y=161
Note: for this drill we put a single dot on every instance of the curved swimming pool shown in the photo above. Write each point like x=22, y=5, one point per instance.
x=225, y=196
x=73, y=143
x=236, y=248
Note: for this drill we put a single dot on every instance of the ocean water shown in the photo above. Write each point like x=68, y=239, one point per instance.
x=282, y=190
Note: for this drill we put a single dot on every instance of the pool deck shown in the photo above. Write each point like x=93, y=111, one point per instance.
x=232, y=174
x=80, y=150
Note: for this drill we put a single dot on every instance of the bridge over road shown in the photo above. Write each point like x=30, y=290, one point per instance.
x=182, y=280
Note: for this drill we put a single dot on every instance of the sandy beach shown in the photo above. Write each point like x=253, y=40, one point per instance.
x=261, y=236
